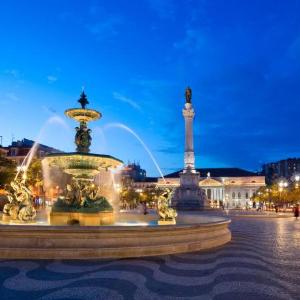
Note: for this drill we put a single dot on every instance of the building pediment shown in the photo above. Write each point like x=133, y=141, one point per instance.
x=210, y=182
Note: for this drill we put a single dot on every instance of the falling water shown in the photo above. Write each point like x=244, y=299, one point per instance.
x=122, y=126
x=27, y=160
x=99, y=132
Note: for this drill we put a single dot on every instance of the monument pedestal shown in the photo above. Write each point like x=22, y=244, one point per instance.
x=189, y=196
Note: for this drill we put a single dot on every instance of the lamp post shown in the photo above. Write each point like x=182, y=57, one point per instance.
x=282, y=184
x=268, y=195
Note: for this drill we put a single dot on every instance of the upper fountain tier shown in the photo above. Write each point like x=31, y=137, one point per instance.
x=82, y=164
x=83, y=114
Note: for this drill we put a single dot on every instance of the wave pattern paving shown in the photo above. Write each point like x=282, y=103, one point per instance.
x=261, y=262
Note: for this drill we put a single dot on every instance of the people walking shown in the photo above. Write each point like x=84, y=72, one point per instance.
x=296, y=211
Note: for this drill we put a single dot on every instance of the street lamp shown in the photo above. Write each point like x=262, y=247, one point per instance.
x=282, y=184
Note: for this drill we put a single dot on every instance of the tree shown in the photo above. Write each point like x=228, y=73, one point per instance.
x=8, y=169
x=276, y=195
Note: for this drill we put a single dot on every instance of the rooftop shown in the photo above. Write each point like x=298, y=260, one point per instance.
x=218, y=172
x=26, y=143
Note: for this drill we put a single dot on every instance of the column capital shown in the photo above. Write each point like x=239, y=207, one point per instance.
x=188, y=113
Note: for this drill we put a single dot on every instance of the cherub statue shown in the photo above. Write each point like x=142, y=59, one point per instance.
x=20, y=202
x=164, y=211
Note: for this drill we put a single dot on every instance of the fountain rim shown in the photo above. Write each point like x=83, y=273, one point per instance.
x=116, y=228
x=90, y=114
x=98, y=242
x=83, y=154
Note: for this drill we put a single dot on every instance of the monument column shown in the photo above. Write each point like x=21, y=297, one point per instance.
x=188, y=114
x=189, y=195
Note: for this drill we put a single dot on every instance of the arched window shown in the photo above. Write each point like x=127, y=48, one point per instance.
x=247, y=195
x=239, y=195
x=233, y=195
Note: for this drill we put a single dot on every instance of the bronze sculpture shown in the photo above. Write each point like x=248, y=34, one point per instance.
x=20, y=201
x=166, y=214
x=188, y=95
x=83, y=138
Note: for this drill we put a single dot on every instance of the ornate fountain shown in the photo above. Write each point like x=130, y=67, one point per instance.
x=82, y=202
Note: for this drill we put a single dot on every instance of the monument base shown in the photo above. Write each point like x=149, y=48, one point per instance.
x=189, y=196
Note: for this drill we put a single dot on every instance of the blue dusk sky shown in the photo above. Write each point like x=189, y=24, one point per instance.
x=135, y=58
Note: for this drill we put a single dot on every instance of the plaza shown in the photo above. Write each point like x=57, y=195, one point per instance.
x=261, y=262
x=149, y=150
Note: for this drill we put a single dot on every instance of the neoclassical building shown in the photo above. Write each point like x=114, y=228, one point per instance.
x=232, y=187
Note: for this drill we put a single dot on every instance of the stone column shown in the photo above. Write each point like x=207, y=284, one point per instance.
x=189, y=196
x=189, y=156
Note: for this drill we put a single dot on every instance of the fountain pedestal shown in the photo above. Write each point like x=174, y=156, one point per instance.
x=82, y=219
x=167, y=222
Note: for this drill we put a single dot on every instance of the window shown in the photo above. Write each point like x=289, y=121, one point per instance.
x=247, y=195
x=233, y=195
x=239, y=195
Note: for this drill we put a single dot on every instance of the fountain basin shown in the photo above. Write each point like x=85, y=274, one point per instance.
x=83, y=114
x=82, y=164
x=90, y=242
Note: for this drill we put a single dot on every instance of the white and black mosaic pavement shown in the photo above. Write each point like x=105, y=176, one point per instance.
x=261, y=262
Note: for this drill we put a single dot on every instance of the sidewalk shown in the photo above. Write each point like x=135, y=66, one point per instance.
x=257, y=214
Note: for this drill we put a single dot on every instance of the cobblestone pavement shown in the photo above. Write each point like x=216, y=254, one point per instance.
x=261, y=262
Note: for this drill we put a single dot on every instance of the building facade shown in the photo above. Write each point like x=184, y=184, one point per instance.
x=285, y=168
x=18, y=150
x=228, y=187
x=133, y=171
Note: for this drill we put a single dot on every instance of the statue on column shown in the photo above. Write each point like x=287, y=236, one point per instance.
x=188, y=95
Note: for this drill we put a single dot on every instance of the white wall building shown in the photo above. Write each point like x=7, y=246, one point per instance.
x=232, y=187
